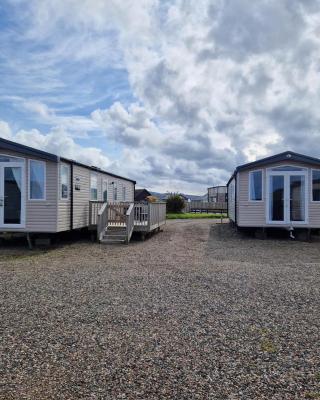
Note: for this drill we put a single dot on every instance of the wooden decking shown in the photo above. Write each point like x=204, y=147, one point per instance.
x=120, y=220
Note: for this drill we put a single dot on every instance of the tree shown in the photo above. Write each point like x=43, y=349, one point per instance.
x=175, y=203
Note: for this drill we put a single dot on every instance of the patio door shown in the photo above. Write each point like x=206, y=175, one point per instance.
x=12, y=206
x=287, y=196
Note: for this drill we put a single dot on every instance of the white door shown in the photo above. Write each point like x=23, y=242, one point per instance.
x=287, y=201
x=12, y=204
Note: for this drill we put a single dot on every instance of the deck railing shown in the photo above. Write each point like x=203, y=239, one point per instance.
x=94, y=207
x=117, y=213
x=102, y=221
x=143, y=217
x=141, y=213
x=156, y=214
x=130, y=221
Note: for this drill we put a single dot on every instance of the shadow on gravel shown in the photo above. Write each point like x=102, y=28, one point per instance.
x=226, y=243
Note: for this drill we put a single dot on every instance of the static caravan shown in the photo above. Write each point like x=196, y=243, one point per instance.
x=278, y=191
x=217, y=194
x=43, y=193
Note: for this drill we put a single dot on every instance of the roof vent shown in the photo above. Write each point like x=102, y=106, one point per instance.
x=289, y=155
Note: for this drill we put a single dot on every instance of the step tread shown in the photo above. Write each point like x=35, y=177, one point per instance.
x=112, y=241
x=114, y=236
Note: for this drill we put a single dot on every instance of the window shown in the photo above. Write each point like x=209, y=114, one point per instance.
x=37, y=180
x=64, y=181
x=94, y=187
x=115, y=192
x=123, y=193
x=4, y=158
x=105, y=190
x=231, y=191
x=255, y=186
x=287, y=168
x=316, y=185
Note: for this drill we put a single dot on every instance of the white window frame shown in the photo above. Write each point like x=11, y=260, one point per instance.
x=124, y=192
x=21, y=163
x=104, y=181
x=96, y=175
x=45, y=180
x=262, y=186
x=302, y=172
x=60, y=181
x=14, y=159
x=115, y=191
x=311, y=185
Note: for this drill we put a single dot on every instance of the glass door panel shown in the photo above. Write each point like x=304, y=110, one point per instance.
x=277, y=193
x=12, y=181
x=297, y=198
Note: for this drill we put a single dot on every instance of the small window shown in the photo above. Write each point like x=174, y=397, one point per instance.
x=115, y=192
x=123, y=193
x=255, y=186
x=316, y=185
x=64, y=181
x=287, y=168
x=4, y=158
x=94, y=187
x=105, y=191
x=37, y=180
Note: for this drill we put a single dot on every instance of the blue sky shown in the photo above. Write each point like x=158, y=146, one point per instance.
x=173, y=93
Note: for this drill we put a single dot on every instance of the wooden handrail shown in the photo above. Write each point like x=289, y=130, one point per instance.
x=130, y=221
x=102, y=220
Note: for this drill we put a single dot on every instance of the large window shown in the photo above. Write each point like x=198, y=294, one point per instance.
x=64, y=181
x=316, y=185
x=37, y=180
x=94, y=187
x=255, y=186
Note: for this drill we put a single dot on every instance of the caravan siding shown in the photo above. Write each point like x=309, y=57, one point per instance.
x=253, y=214
x=81, y=196
x=232, y=201
x=249, y=213
x=40, y=215
x=64, y=205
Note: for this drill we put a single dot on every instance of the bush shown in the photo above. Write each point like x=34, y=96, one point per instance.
x=175, y=203
x=151, y=199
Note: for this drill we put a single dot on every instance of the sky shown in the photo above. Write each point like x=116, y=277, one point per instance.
x=173, y=94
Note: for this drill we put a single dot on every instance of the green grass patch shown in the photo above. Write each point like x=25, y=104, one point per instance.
x=194, y=215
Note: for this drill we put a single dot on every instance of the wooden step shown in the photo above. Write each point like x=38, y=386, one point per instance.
x=115, y=237
x=112, y=241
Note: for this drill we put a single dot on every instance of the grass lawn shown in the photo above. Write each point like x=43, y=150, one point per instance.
x=193, y=215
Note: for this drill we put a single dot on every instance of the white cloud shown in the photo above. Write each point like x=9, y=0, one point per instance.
x=211, y=84
x=58, y=142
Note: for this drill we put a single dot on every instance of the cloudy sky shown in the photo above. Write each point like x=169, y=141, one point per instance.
x=172, y=93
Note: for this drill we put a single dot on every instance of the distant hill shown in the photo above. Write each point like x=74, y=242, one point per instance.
x=163, y=196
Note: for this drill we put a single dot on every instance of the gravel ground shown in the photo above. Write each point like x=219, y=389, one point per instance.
x=195, y=312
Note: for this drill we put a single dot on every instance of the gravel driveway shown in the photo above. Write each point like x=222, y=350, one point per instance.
x=195, y=312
